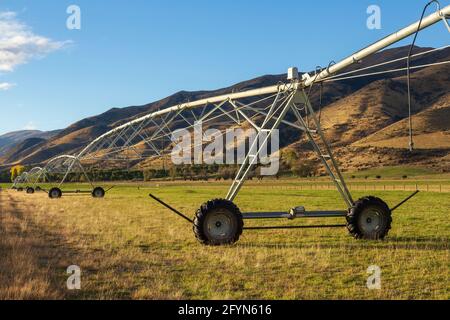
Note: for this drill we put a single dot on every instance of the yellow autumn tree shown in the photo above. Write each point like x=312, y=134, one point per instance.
x=16, y=171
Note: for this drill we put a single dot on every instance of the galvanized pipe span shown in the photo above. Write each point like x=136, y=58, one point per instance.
x=382, y=44
x=354, y=58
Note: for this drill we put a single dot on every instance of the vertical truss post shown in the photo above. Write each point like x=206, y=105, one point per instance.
x=84, y=172
x=326, y=156
x=251, y=159
x=69, y=170
x=42, y=172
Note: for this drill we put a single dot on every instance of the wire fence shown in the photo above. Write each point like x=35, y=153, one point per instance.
x=440, y=188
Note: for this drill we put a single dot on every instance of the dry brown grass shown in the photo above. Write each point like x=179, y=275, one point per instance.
x=23, y=275
x=431, y=129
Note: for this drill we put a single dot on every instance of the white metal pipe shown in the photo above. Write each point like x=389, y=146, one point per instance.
x=364, y=53
x=194, y=104
x=382, y=44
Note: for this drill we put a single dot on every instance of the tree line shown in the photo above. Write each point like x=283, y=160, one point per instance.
x=290, y=165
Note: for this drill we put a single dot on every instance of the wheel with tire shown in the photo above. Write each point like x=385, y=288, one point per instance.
x=369, y=218
x=218, y=222
x=55, y=193
x=30, y=190
x=98, y=193
x=20, y=189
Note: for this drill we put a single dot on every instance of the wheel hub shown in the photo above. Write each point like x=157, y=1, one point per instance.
x=370, y=218
x=219, y=225
x=370, y=221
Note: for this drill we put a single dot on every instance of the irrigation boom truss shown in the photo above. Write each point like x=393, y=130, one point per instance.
x=264, y=109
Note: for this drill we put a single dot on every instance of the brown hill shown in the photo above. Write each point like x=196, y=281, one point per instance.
x=369, y=128
x=364, y=118
x=431, y=129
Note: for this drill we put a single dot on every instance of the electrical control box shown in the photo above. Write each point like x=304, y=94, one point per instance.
x=293, y=73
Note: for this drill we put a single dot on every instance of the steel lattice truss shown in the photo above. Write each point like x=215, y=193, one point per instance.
x=58, y=169
x=33, y=175
x=151, y=136
x=20, y=180
x=265, y=110
x=27, y=178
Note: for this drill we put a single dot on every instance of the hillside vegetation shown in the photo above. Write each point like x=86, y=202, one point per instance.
x=365, y=119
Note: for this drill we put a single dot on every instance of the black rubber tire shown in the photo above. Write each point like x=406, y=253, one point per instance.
x=98, y=192
x=211, y=207
x=30, y=190
x=358, y=212
x=20, y=189
x=55, y=193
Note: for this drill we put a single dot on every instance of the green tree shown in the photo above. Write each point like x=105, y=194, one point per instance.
x=304, y=169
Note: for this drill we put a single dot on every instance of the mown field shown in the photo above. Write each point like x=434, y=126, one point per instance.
x=129, y=247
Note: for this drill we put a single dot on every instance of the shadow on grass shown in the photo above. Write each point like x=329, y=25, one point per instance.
x=34, y=260
x=50, y=253
x=406, y=243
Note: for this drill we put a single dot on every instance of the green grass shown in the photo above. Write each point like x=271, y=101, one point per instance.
x=397, y=172
x=128, y=246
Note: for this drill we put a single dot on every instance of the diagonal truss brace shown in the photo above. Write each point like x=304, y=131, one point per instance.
x=315, y=137
x=251, y=158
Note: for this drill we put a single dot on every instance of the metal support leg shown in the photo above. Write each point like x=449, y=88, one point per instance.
x=326, y=156
x=251, y=159
x=69, y=170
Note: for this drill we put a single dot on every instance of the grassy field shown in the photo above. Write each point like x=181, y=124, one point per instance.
x=129, y=247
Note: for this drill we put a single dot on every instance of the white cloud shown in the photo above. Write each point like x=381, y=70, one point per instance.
x=4, y=86
x=18, y=43
x=30, y=126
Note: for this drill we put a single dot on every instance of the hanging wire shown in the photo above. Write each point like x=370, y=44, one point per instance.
x=318, y=70
x=316, y=74
x=332, y=62
x=408, y=72
x=320, y=101
x=383, y=63
x=387, y=71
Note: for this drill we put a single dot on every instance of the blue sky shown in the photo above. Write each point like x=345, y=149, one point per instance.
x=135, y=52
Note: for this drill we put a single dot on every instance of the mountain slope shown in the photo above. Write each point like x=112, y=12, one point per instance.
x=370, y=127
x=358, y=115
x=11, y=139
x=431, y=129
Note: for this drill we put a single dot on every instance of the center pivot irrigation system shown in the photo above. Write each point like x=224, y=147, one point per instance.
x=220, y=221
